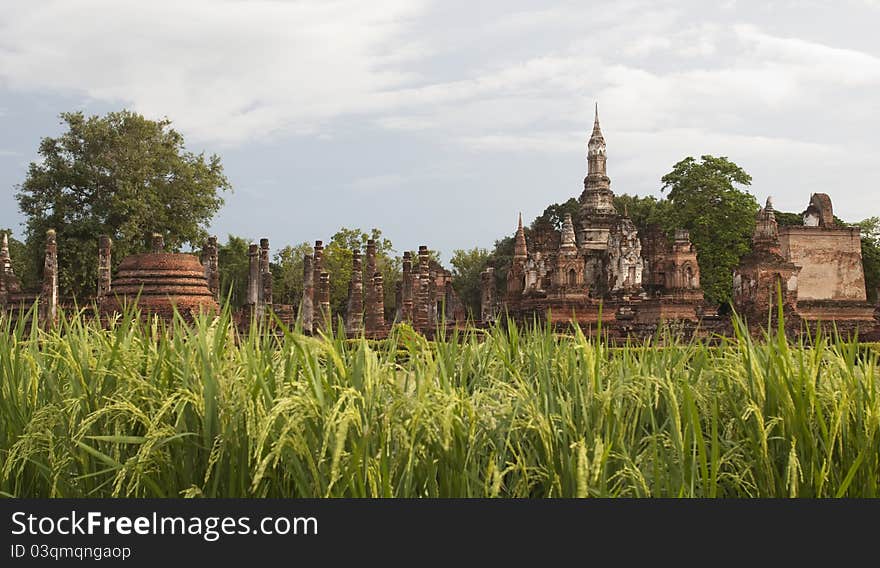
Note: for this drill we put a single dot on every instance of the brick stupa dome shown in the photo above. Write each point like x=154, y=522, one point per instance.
x=159, y=281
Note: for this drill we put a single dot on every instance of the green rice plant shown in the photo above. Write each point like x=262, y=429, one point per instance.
x=140, y=408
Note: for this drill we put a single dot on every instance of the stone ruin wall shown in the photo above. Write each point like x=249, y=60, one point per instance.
x=830, y=261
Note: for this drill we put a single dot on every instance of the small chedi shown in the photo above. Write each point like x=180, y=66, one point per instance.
x=158, y=282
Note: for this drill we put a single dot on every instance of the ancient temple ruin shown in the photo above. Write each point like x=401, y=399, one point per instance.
x=815, y=269
x=424, y=297
x=15, y=300
x=159, y=282
x=596, y=267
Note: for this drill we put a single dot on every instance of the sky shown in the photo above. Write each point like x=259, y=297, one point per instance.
x=440, y=121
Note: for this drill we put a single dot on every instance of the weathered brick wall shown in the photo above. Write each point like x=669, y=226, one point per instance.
x=830, y=261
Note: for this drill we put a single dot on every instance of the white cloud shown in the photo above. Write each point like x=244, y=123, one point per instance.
x=377, y=183
x=225, y=70
x=498, y=102
x=234, y=70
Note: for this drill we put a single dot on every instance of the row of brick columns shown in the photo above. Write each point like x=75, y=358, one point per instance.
x=47, y=309
x=374, y=295
x=259, y=287
x=354, y=323
x=315, y=305
x=365, y=308
x=366, y=305
x=366, y=301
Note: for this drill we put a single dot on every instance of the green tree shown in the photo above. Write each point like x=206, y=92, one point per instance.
x=467, y=266
x=121, y=175
x=719, y=216
x=287, y=268
x=337, y=263
x=871, y=255
x=554, y=215
x=646, y=211
x=784, y=219
x=287, y=274
x=232, y=258
x=501, y=260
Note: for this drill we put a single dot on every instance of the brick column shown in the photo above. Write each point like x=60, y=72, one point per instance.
x=265, y=278
x=317, y=268
x=378, y=306
x=371, y=322
x=307, y=306
x=211, y=262
x=406, y=290
x=49, y=296
x=433, y=312
x=325, y=321
x=104, y=276
x=354, y=318
x=421, y=316
x=487, y=295
x=4, y=295
x=253, y=287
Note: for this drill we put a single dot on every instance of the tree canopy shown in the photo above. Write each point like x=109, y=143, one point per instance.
x=337, y=263
x=121, y=175
x=554, y=215
x=232, y=258
x=467, y=265
x=646, y=211
x=720, y=216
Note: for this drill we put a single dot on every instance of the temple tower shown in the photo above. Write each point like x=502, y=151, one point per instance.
x=516, y=276
x=568, y=243
x=597, y=196
x=520, y=249
x=764, y=272
x=597, y=212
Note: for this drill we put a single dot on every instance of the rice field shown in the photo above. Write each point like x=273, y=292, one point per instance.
x=197, y=411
